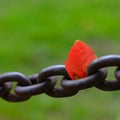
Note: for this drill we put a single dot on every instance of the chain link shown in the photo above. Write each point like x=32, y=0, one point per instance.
x=107, y=61
x=45, y=81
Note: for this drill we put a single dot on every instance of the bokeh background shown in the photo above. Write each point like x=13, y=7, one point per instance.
x=38, y=33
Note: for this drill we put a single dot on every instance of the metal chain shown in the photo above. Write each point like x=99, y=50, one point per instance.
x=45, y=81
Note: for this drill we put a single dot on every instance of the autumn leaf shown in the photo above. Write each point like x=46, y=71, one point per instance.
x=79, y=57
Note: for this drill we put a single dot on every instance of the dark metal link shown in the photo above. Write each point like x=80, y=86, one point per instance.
x=106, y=61
x=61, y=92
x=85, y=83
x=33, y=78
x=20, y=79
x=45, y=81
x=36, y=88
x=117, y=73
x=54, y=71
x=5, y=88
x=15, y=98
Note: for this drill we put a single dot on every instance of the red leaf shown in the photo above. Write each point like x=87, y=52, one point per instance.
x=78, y=60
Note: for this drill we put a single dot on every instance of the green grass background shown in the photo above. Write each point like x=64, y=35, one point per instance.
x=38, y=33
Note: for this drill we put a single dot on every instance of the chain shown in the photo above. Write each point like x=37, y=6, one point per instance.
x=45, y=81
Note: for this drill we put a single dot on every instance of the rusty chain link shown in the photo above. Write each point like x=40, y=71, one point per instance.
x=45, y=81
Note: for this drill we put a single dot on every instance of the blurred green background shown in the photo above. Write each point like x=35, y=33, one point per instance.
x=38, y=33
